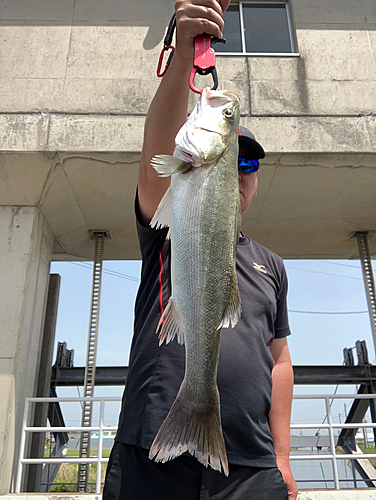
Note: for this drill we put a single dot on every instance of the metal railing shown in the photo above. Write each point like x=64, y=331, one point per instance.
x=74, y=460
x=330, y=426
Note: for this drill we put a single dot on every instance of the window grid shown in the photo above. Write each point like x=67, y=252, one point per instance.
x=244, y=52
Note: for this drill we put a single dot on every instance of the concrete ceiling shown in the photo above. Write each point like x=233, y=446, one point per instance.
x=307, y=205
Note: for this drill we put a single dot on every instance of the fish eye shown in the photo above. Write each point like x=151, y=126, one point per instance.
x=228, y=113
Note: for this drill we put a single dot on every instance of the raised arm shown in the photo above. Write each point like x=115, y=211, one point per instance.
x=168, y=110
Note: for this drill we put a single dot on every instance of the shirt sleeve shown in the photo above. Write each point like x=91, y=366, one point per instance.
x=281, y=325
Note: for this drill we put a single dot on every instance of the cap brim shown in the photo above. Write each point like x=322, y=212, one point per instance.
x=253, y=146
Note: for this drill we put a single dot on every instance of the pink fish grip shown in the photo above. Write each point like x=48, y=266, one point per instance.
x=203, y=61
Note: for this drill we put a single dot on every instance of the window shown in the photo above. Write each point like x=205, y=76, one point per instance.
x=258, y=28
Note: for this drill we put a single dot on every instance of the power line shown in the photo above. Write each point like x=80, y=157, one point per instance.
x=321, y=272
x=338, y=264
x=108, y=271
x=133, y=278
x=328, y=312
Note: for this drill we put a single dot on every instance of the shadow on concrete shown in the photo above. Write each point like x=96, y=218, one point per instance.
x=155, y=15
x=321, y=14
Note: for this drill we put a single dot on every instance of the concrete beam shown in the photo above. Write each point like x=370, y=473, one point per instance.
x=114, y=133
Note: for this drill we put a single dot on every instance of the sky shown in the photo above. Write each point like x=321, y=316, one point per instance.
x=327, y=312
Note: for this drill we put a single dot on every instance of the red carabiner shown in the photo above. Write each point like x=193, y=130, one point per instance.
x=168, y=47
x=203, y=61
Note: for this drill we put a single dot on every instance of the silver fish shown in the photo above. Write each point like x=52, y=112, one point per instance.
x=202, y=209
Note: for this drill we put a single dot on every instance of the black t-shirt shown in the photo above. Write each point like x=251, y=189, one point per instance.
x=245, y=361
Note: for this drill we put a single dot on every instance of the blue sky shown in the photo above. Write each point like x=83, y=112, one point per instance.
x=315, y=286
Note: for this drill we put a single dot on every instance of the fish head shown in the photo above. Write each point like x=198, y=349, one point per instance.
x=211, y=129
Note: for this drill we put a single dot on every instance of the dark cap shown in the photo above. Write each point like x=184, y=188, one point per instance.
x=248, y=140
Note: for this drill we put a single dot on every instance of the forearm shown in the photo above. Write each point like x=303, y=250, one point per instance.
x=168, y=110
x=167, y=113
x=280, y=413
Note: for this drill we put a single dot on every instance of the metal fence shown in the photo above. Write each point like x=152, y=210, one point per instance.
x=333, y=456
x=74, y=460
x=331, y=426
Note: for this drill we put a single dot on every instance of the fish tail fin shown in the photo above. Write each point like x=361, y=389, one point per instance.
x=198, y=433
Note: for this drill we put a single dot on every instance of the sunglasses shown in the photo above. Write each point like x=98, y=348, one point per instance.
x=248, y=165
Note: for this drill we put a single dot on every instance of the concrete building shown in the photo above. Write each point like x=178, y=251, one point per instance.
x=76, y=79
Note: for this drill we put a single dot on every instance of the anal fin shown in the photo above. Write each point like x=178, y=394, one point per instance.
x=169, y=325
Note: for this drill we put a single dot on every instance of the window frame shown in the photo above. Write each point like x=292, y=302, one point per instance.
x=293, y=53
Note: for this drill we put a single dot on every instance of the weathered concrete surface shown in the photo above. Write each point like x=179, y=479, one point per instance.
x=334, y=13
x=79, y=57
x=25, y=255
x=325, y=98
x=112, y=133
x=23, y=132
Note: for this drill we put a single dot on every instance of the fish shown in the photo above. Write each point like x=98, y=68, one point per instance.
x=202, y=209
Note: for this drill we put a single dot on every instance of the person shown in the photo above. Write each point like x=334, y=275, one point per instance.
x=255, y=377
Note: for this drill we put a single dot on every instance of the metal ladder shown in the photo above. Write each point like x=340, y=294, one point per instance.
x=87, y=408
x=369, y=283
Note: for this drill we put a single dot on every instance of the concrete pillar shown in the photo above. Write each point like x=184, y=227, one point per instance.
x=26, y=242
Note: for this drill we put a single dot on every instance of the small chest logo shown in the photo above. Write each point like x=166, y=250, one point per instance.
x=260, y=267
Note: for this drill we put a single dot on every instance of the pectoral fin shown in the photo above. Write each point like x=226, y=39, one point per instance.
x=167, y=165
x=234, y=307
